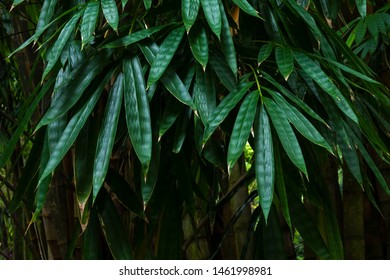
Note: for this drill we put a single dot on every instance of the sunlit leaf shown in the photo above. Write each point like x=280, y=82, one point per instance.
x=213, y=15
x=110, y=12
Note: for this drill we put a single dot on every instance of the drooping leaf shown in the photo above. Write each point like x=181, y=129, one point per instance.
x=264, y=53
x=197, y=38
x=137, y=111
x=107, y=134
x=286, y=134
x=227, y=43
x=72, y=130
x=88, y=23
x=165, y=54
x=170, y=79
x=314, y=71
x=362, y=7
x=189, y=11
x=134, y=37
x=73, y=86
x=223, y=71
x=242, y=128
x=300, y=122
x=213, y=15
x=264, y=162
x=148, y=4
x=284, y=60
x=224, y=108
x=45, y=14
x=204, y=94
x=246, y=7
x=110, y=12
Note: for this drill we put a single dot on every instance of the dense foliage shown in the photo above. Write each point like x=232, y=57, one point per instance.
x=123, y=126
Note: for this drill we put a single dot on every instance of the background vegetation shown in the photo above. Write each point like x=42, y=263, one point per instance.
x=194, y=129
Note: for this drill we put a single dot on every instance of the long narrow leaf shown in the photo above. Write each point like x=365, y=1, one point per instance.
x=88, y=23
x=189, y=11
x=286, y=134
x=264, y=162
x=110, y=12
x=242, y=128
x=227, y=43
x=213, y=15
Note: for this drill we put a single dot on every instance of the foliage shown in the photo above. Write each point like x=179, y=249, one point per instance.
x=141, y=110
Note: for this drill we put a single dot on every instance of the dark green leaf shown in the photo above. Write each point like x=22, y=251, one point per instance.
x=189, y=11
x=88, y=23
x=110, y=12
x=213, y=15
x=284, y=60
x=197, y=38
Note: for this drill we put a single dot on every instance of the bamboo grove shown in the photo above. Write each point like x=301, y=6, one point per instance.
x=194, y=129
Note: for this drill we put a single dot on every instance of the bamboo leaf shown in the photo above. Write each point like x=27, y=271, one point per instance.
x=264, y=53
x=204, y=94
x=170, y=79
x=170, y=115
x=314, y=71
x=74, y=85
x=148, y=4
x=110, y=12
x=362, y=7
x=286, y=134
x=189, y=11
x=213, y=15
x=137, y=111
x=246, y=7
x=284, y=60
x=107, y=134
x=59, y=45
x=45, y=14
x=165, y=54
x=91, y=238
x=300, y=122
x=88, y=23
x=223, y=71
x=72, y=130
x=264, y=162
x=224, y=108
x=227, y=43
x=242, y=128
x=134, y=37
x=197, y=39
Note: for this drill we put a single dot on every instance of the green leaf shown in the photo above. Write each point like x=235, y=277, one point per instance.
x=72, y=130
x=189, y=11
x=223, y=71
x=16, y=2
x=264, y=162
x=284, y=60
x=246, y=7
x=286, y=134
x=224, y=108
x=314, y=71
x=204, y=94
x=110, y=12
x=170, y=79
x=107, y=135
x=88, y=23
x=197, y=39
x=74, y=85
x=264, y=53
x=213, y=15
x=362, y=7
x=300, y=122
x=137, y=111
x=59, y=44
x=171, y=112
x=45, y=14
x=242, y=128
x=84, y=156
x=148, y=4
x=227, y=43
x=111, y=224
x=134, y=37
x=165, y=54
